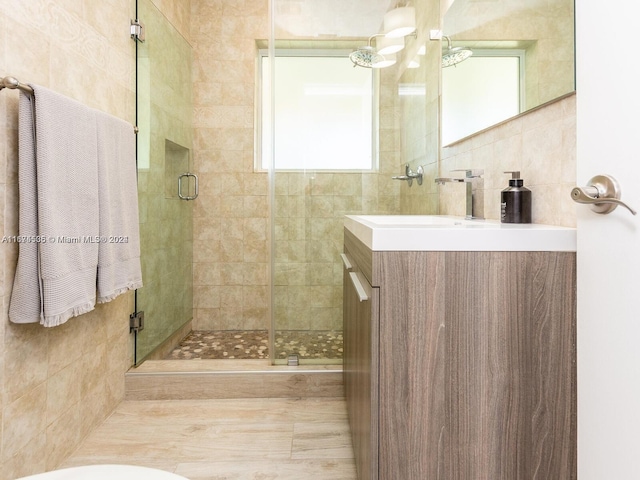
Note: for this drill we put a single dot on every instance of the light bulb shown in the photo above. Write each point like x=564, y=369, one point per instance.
x=400, y=22
x=388, y=61
x=388, y=45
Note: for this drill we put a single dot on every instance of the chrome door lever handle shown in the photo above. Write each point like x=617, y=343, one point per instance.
x=602, y=193
x=580, y=195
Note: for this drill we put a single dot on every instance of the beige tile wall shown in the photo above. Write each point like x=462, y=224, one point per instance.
x=231, y=214
x=57, y=384
x=178, y=14
x=541, y=144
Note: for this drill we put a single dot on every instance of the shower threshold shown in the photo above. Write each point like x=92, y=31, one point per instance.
x=226, y=379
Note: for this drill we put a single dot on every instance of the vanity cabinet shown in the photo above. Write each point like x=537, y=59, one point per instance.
x=460, y=365
x=361, y=303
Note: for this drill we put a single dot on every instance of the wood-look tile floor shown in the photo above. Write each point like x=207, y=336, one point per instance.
x=230, y=439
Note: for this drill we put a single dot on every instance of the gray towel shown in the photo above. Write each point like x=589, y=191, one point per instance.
x=58, y=186
x=119, y=247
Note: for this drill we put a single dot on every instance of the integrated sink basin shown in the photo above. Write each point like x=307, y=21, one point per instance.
x=449, y=233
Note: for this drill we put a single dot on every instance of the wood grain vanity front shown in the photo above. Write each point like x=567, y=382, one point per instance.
x=470, y=359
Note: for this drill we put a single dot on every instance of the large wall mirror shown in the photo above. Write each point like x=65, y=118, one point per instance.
x=523, y=55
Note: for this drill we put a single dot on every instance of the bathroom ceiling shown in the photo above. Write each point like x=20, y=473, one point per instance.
x=331, y=18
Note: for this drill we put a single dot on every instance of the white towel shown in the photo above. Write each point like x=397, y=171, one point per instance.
x=58, y=186
x=119, y=247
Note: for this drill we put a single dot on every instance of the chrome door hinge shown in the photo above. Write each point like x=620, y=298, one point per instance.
x=136, y=322
x=137, y=30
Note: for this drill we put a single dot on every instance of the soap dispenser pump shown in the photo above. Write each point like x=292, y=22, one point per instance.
x=515, y=201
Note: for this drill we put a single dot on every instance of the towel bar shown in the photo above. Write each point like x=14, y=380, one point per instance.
x=13, y=84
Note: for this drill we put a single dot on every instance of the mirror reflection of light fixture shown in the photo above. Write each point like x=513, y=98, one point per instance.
x=412, y=89
x=422, y=50
x=386, y=45
x=388, y=61
x=400, y=22
x=415, y=63
x=370, y=57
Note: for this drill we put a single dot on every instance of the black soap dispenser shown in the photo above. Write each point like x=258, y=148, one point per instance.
x=515, y=201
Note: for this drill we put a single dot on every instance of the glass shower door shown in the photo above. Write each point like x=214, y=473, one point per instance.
x=311, y=199
x=310, y=202
x=325, y=165
x=164, y=107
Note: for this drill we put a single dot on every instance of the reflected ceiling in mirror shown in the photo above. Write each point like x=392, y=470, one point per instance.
x=329, y=18
x=542, y=32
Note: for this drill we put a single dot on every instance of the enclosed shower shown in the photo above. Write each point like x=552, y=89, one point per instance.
x=165, y=152
x=286, y=136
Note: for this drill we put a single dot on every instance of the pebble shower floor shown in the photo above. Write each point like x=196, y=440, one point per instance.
x=221, y=344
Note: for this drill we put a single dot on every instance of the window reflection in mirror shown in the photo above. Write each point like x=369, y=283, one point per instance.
x=543, y=30
x=496, y=92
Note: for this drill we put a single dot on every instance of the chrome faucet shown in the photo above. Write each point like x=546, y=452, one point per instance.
x=473, y=179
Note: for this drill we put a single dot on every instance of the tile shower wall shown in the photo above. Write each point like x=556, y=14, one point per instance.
x=57, y=384
x=541, y=144
x=231, y=215
x=165, y=142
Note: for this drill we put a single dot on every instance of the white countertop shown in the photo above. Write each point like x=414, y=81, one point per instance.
x=448, y=233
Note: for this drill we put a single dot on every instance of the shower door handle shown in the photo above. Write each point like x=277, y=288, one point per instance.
x=188, y=176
